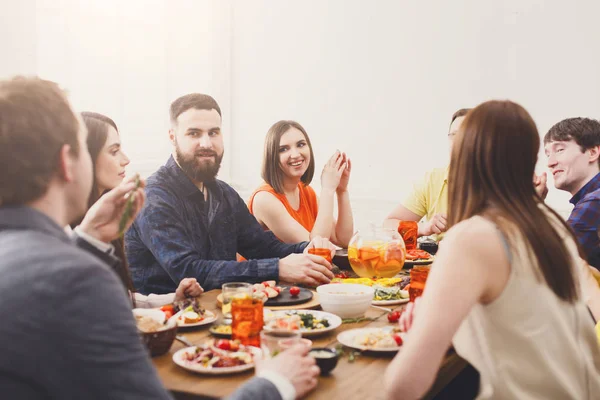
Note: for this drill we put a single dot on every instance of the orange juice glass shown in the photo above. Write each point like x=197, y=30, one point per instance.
x=247, y=320
x=418, y=277
x=408, y=230
x=318, y=251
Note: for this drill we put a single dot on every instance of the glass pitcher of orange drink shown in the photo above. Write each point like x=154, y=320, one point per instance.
x=246, y=319
x=379, y=253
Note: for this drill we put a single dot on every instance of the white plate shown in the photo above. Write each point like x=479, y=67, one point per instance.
x=334, y=320
x=347, y=339
x=389, y=302
x=209, y=318
x=178, y=358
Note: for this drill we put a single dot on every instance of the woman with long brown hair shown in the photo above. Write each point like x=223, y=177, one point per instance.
x=286, y=204
x=508, y=288
x=109, y=162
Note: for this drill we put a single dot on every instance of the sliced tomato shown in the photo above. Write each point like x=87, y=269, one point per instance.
x=417, y=254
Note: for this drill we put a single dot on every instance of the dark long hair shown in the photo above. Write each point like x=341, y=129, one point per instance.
x=491, y=174
x=271, y=168
x=97, y=126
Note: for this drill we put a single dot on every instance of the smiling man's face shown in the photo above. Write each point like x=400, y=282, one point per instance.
x=571, y=167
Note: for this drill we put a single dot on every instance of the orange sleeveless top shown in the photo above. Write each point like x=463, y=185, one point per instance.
x=306, y=214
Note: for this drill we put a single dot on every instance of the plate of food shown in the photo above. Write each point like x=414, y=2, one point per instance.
x=221, y=331
x=388, y=296
x=308, y=322
x=189, y=313
x=373, y=339
x=387, y=282
x=217, y=357
x=388, y=291
x=418, y=257
x=277, y=296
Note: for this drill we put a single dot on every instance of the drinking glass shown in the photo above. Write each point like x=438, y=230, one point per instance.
x=246, y=319
x=418, y=277
x=408, y=230
x=275, y=341
x=231, y=290
x=323, y=252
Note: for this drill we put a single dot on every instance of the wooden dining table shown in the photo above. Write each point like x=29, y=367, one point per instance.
x=361, y=378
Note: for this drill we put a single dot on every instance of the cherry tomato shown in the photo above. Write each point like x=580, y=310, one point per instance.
x=394, y=316
x=168, y=310
x=398, y=339
x=224, y=344
x=294, y=291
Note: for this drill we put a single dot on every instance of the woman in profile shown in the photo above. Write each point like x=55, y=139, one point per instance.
x=521, y=316
x=109, y=162
x=286, y=205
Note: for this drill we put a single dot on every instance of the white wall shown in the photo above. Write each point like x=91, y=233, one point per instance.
x=126, y=59
x=378, y=79
x=381, y=79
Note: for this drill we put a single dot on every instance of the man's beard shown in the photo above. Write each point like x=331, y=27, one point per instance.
x=199, y=171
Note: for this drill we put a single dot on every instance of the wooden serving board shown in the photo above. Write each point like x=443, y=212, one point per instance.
x=311, y=304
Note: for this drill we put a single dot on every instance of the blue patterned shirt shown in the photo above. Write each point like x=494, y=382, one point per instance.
x=179, y=234
x=585, y=219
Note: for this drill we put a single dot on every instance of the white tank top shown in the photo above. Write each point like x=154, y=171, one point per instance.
x=528, y=343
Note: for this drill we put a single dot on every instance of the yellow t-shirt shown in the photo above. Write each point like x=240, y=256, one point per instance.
x=430, y=195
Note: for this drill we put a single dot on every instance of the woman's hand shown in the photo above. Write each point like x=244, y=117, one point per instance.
x=407, y=317
x=345, y=179
x=188, y=287
x=102, y=221
x=332, y=172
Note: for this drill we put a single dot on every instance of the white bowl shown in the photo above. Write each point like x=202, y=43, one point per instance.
x=153, y=313
x=345, y=300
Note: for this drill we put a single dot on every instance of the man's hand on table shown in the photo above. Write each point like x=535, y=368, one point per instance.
x=295, y=365
x=307, y=269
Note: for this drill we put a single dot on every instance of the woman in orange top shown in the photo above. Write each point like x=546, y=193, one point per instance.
x=286, y=204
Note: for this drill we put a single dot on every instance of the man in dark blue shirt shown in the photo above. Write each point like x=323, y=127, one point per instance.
x=573, y=150
x=193, y=224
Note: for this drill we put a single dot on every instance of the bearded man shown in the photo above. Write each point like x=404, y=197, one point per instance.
x=193, y=224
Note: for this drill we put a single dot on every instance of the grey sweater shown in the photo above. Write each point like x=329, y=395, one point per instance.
x=66, y=329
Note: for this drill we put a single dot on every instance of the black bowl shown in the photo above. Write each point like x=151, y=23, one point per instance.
x=341, y=259
x=326, y=364
x=430, y=247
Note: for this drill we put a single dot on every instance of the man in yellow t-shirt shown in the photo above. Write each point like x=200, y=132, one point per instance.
x=429, y=198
